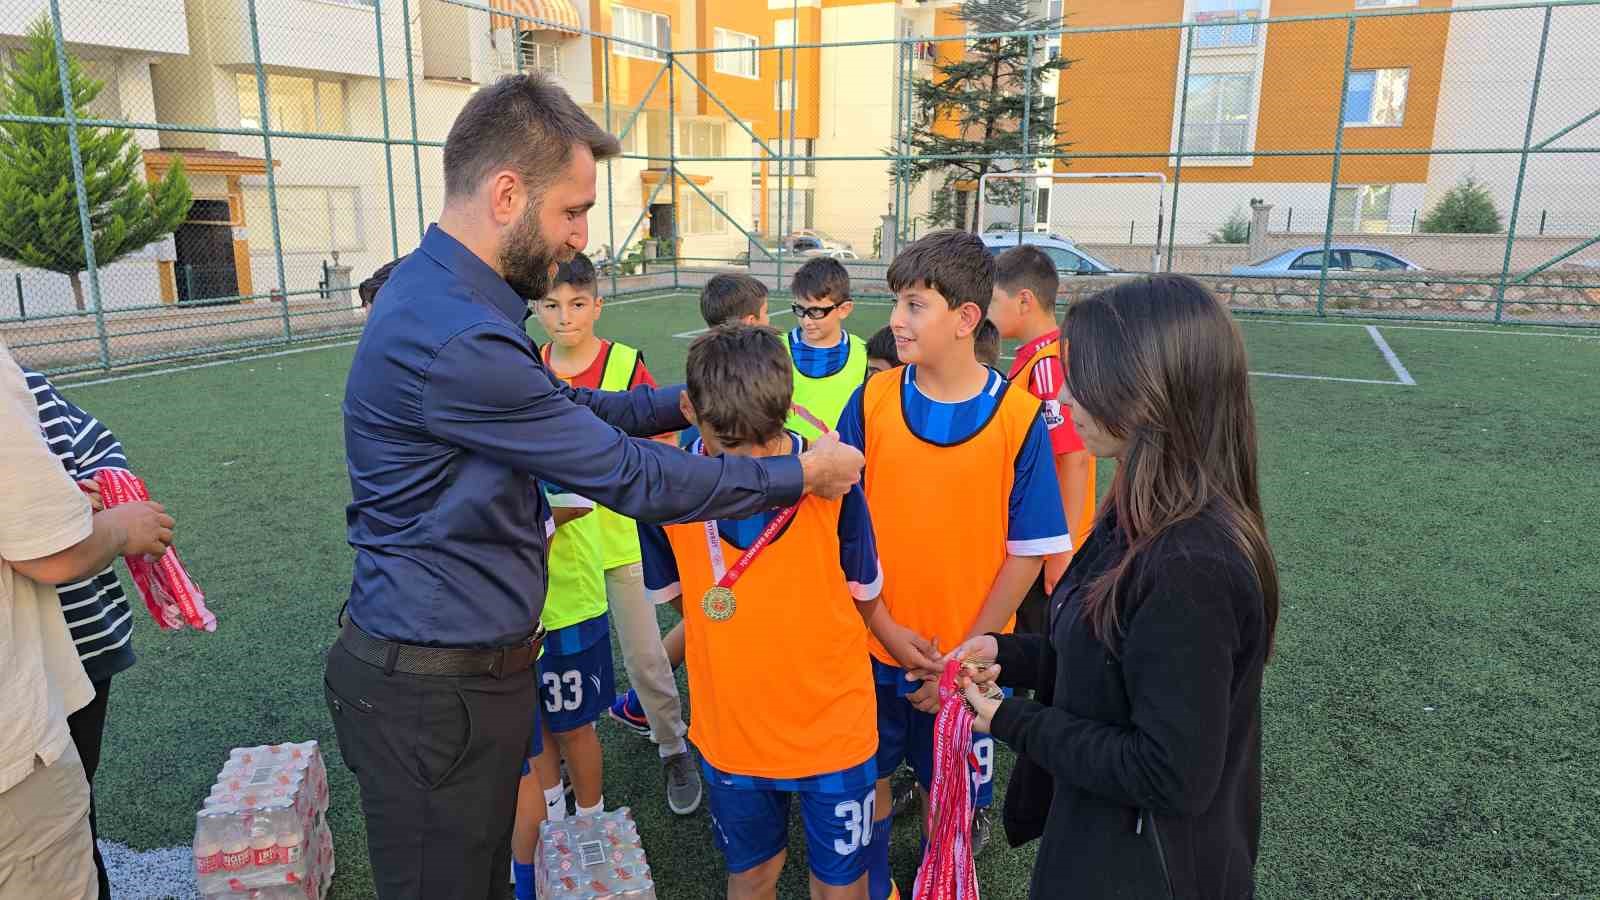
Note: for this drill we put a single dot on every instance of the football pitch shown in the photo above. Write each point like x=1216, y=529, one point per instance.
x=1430, y=718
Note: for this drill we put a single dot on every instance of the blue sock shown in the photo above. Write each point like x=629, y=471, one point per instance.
x=524, y=874
x=880, y=885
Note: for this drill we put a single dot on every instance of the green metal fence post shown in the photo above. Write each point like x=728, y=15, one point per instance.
x=22, y=305
x=672, y=165
x=411, y=98
x=794, y=101
x=1028, y=185
x=272, y=179
x=1177, y=168
x=79, y=186
x=784, y=145
x=1338, y=155
x=899, y=144
x=188, y=283
x=1522, y=170
x=611, y=188
x=388, y=149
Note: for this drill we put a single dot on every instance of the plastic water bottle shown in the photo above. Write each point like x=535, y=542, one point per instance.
x=208, y=837
x=290, y=841
x=235, y=847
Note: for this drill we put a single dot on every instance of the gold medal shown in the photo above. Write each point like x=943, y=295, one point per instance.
x=719, y=603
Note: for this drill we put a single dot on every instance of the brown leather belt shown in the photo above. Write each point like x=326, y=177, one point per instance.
x=391, y=656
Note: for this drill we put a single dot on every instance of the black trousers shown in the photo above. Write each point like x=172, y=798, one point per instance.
x=1033, y=616
x=88, y=727
x=437, y=760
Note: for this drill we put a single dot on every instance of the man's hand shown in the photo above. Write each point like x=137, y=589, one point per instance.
x=831, y=467
x=144, y=526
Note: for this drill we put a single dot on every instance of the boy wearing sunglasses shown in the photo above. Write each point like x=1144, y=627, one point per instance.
x=829, y=362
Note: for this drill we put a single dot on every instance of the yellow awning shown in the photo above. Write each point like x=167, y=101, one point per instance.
x=552, y=15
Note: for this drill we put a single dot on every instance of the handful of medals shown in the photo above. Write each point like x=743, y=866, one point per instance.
x=990, y=691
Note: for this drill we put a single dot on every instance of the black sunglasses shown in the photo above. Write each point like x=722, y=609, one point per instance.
x=813, y=312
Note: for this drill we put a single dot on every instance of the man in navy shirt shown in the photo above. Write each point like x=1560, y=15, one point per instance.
x=450, y=417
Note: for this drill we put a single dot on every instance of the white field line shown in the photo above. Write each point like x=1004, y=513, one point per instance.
x=207, y=365
x=1255, y=320
x=1389, y=356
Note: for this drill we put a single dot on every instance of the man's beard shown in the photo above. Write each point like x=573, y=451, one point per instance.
x=526, y=258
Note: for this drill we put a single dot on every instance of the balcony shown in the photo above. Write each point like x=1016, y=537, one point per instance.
x=1231, y=30
x=321, y=36
x=160, y=27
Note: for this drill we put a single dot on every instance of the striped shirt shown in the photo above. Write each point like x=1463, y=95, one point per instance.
x=97, y=611
x=818, y=362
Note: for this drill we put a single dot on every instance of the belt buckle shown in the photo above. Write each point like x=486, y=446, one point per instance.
x=531, y=643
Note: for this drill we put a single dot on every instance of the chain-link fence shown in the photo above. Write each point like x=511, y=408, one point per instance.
x=241, y=164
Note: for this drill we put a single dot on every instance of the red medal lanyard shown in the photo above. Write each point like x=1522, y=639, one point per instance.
x=727, y=578
x=947, y=871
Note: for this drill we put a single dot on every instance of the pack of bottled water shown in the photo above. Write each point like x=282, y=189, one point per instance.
x=262, y=834
x=593, y=858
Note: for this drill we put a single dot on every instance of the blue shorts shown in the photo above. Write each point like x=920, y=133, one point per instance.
x=575, y=689
x=751, y=826
x=905, y=734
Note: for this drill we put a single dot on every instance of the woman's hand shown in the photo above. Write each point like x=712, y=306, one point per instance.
x=983, y=706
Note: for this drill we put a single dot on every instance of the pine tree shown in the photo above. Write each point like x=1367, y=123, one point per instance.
x=39, y=224
x=981, y=99
x=1467, y=208
x=1235, y=230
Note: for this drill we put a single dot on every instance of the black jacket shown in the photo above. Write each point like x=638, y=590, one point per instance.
x=1142, y=769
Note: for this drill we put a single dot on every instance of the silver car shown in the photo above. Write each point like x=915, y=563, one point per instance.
x=1070, y=259
x=1302, y=261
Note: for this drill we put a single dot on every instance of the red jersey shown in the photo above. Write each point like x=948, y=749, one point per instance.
x=1045, y=381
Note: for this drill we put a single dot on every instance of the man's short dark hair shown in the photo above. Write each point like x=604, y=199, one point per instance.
x=369, y=289
x=881, y=346
x=740, y=383
x=729, y=298
x=822, y=278
x=578, y=272
x=986, y=344
x=1026, y=266
x=954, y=263
x=526, y=123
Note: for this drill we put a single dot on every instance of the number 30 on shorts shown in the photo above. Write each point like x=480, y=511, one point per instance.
x=857, y=817
x=573, y=682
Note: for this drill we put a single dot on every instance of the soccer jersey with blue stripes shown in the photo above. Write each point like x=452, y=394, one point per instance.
x=97, y=611
x=818, y=362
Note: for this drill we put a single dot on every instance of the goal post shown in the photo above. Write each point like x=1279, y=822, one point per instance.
x=1160, y=185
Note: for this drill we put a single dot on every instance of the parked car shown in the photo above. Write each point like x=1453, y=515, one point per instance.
x=840, y=253
x=804, y=239
x=1069, y=258
x=1341, y=258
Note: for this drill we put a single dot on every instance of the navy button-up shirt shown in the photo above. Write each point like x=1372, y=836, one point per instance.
x=449, y=416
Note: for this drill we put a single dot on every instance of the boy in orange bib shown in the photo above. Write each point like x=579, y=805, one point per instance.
x=773, y=609
x=962, y=488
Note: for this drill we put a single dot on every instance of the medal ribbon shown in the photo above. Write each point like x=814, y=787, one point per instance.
x=726, y=578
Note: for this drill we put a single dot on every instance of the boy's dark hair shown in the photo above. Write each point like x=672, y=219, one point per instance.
x=369, y=289
x=822, y=278
x=986, y=344
x=954, y=263
x=527, y=123
x=1026, y=266
x=729, y=298
x=578, y=272
x=881, y=346
x=740, y=382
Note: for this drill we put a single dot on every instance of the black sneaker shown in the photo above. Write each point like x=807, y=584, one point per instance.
x=981, y=826
x=903, y=794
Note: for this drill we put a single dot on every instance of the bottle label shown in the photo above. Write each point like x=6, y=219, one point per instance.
x=289, y=854
x=266, y=856
x=208, y=864
x=235, y=861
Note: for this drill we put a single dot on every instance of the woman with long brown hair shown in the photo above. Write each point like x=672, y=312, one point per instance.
x=1139, y=763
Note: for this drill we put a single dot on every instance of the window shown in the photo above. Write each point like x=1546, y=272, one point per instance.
x=1052, y=52
x=1376, y=97
x=1053, y=12
x=295, y=104
x=1218, y=119
x=1363, y=208
x=700, y=217
x=700, y=138
x=1229, y=32
x=1066, y=260
x=783, y=94
x=538, y=55
x=1041, y=207
x=745, y=65
x=778, y=208
x=783, y=32
x=1380, y=4
x=310, y=219
x=1313, y=261
x=643, y=27
x=1373, y=260
x=800, y=147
